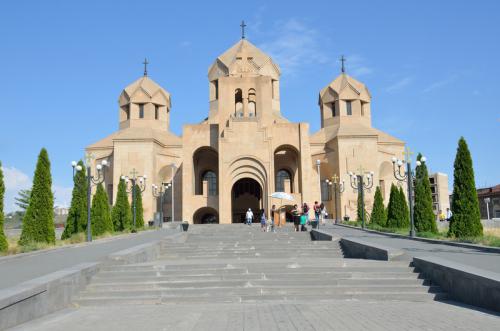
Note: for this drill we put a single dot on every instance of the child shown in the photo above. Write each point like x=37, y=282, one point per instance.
x=263, y=220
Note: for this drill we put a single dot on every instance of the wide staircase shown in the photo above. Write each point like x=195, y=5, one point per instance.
x=241, y=264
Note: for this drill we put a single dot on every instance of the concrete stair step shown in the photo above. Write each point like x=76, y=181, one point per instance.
x=277, y=290
x=311, y=299
x=248, y=276
x=249, y=282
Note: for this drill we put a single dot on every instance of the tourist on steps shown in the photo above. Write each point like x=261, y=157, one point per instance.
x=249, y=216
x=296, y=217
x=271, y=220
x=263, y=225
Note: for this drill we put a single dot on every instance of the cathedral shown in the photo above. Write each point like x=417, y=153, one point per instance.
x=246, y=149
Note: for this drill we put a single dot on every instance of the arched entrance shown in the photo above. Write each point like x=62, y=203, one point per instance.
x=246, y=193
x=206, y=215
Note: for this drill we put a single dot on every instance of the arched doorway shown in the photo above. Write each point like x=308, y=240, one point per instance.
x=246, y=193
x=206, y=215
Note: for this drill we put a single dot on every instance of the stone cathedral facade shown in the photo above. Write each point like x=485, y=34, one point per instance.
x=246, y=149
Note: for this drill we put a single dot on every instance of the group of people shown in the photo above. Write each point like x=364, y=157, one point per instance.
x=445, y=217
x=299, y=215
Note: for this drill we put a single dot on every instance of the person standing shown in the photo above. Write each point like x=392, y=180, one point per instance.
x=449, y=214
x=296, y=218
x=271, y=220
x=317, y=212
x=263, y=225
x=249, y=216
x=323, y=213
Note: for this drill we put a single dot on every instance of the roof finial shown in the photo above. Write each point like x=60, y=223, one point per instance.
x=145, y=66
x=342, y=59
x=243, y=29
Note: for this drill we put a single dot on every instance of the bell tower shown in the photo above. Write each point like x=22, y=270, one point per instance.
x=244, y=85
x=144, y=103
x=345, y=100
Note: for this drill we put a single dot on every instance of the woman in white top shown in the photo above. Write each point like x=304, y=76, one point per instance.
x=323, y=213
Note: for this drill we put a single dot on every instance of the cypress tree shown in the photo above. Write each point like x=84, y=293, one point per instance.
x=466, y=219
x=100, y=214
x=38, y=222
x=121, y=215
x=77, y=216
x=424, y=218
x=379, y=215
x=139, y=211
x=405, y=217
x=4, y=245
x=393, y=208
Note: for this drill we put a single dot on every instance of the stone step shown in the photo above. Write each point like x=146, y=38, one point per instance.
x=252, y=282
x=306, y=298
x=277, y=290
x=248, y=276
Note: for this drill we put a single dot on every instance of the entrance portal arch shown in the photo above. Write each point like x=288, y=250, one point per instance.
x=246, y=193
x=206, y=215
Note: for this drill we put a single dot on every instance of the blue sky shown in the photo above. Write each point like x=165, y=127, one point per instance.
x=431, y=66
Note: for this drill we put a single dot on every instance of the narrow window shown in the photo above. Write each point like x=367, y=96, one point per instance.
x=281, y=176
x=141, y=110
x=325, y=191
x=211, y=179
x=348, y=105
x=156, y=111
x=127, y=111
x=238, y=103
x=216, y=85
x=334, y=109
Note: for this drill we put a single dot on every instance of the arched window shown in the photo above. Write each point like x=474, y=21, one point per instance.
x=238, y=103
x=211, y=179
x=281, y=176
x=252, y=105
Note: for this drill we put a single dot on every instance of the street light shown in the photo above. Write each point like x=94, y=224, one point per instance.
x=339, y=187
x=358, y=184
x=409, y=177
x=159, y=192
x=142, y=187
x=318, y=165
x=173, y=191
x=91, y=180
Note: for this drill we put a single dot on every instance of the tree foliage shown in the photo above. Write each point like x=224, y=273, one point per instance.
x=3, y=240
x=397, y=210
x=466, y=219
x=139, y=211
x=100, y=214
x=38, y=222
x=121, y=213
x=424, y=217
x=379, y=215
x=77, y=215
x=360, y=207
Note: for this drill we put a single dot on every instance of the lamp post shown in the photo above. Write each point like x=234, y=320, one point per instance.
x=358, y=184
x=173, y=189
x=159, y=192
x=339, y=187
x=91, y=180
x=409, y=176
x=142, y=187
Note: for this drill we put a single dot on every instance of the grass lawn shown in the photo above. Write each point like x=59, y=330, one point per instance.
x=15, y=248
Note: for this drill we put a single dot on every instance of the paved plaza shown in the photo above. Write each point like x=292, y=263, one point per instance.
x=467, y=256
x=234, y=277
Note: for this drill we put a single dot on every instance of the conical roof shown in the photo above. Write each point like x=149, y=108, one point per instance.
x=345, y=84
x=146, y=90
x=243, y=59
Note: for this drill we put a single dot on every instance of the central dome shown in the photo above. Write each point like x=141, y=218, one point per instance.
x=243, y=59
